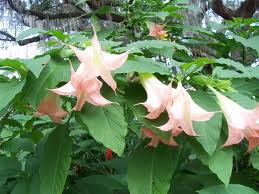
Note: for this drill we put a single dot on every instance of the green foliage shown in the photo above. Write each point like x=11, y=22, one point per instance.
x=232, y=189
x=152, y=178
x=9, y=168
x=143, y=65
x=55, y=161
x=107, y=125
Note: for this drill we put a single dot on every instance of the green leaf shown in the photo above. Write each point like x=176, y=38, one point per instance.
x=208, y=131
x=18, y=144
x=221, y=164
x=200, y=62
x=146, y=44
x=58, y=34
x=36, y=65
x=197, y=63
x=21, y=187
x=9, y=167
x=242, y=100
x=97, y=184
x=251, y=42
x=214, y=162
x=103, y=10
x=54, y=72
x=143, y=65
x=150, y=170
x=55, y=161
x=106, y=124
x=254, y=158
x=11, y=90
x=16, y=65
x=29, y=32
x=231, y=63
x=161, y=14
x=232, y=189
x=215, y=83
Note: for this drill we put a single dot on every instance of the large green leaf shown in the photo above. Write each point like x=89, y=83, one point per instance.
x=208, y=131
x=9, y=167
x=215, y=161
x=231, y=189
x=9, y=91
x=55, y=161
x=36, y=65
x=150, y=170
x=221, y=164
x=143, y=65
x=55, y=71
x=106, y=124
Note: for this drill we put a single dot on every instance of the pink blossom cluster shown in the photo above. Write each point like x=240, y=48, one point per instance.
x=182, y=110
x=84, y=83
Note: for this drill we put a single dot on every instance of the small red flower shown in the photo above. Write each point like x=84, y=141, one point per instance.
x=108, y=154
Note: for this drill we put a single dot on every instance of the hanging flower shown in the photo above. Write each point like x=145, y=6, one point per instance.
x=155, y=139
x=182, y=112
x=50, y=106
x=158, y=95
x=157, y=31
x=242, y=123
x=85, y=89
x=99, y=63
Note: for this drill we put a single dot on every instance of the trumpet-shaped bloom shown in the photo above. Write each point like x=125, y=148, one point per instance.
x=242, y=123
x=99, y=63
x=156, y=139
x=84, y=89
x=157, y=30
x=158, y=95
x=50, y=106
x=182, y=112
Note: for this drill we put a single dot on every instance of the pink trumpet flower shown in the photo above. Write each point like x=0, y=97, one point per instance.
x=157, y=31
x=182, y=112
x=99, y=63
x=156, y=139
x=242, y=123
x=84, y=89
x=50, y=106
x=159, y=95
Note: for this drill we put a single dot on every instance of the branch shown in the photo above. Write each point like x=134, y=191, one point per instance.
x=20, y=42
x=40, y=15
x=246, y=10
x=9, y=36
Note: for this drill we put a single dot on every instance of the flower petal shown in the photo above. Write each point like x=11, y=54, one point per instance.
x=66, y=90
x=113, y=61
